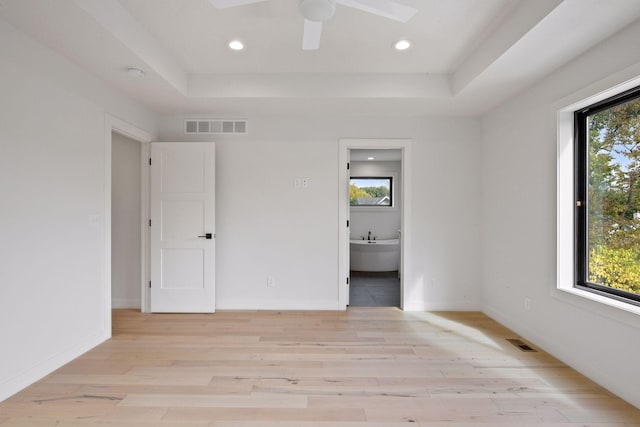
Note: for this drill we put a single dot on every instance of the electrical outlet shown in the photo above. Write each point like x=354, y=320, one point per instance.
x=527, y=304
x=305, y=182
x=297, y=182
x=271, y=282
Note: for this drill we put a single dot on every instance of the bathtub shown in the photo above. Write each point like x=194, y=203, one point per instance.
x=374, y=255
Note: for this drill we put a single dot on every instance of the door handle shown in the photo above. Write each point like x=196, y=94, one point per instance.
x=207, y=236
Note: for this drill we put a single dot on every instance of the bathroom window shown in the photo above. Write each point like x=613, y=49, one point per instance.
x=374, y=191
x=607, y=175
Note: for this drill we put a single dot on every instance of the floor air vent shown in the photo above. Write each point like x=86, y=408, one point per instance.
x=521, y=344
x=210, y=126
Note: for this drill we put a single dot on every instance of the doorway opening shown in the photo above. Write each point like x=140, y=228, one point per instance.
x=116, y=128
x=126, y=227
x=375, y=228
x=375, y=212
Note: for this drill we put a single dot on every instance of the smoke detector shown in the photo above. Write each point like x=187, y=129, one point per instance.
x=317, y=10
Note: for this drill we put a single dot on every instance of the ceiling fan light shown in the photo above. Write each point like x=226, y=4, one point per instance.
x=317, y=10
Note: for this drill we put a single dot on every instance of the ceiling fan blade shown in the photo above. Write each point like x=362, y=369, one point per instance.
x=311, y=35
x=223, y=4
x=387, y=8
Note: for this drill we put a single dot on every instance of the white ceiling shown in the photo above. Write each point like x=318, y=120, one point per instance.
x=468, y=55
x=196, y=34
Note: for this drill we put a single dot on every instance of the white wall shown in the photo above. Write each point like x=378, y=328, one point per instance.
x=53, y=292
x=382, y=222
x=519, y=224
x=125, y=222
x=265, y=226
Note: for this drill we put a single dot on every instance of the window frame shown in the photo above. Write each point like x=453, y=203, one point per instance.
x=581, y=191
x=391, y=192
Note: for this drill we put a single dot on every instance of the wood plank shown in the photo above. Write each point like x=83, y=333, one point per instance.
x=253, y=400
x=265, y=414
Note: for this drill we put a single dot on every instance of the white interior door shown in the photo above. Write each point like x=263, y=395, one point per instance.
x=182, y=227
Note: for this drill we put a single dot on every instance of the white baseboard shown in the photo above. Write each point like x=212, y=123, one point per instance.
x=441, y=306
x=333, y=305
x=125, y=303
x=277, y=305
x=11, y=385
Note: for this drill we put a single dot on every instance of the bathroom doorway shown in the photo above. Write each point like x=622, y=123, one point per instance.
x=408, y=284
x=375, y=215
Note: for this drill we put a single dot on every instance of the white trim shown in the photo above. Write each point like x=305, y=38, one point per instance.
x=611, y=308
x=115, y=124
x=563, y=289
x=344, y=145
x=301, y=305
x=441, y=306
x=145, y=236
x=106, y=274
x=125, y=303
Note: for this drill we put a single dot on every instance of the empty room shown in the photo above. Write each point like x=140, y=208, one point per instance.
x=319, y=213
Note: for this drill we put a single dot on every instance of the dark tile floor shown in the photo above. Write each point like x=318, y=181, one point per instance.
x=369, y=289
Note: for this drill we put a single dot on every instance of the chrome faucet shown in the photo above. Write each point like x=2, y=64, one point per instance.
x=369, y=236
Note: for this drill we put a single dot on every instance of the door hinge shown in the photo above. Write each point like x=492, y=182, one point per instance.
x=149, y=161
x=347, y=166
x=149, y=223
x=149, y=284
x=347, y=223
x=347, y=280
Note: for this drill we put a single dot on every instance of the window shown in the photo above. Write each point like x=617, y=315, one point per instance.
x=607, y=184
x=371, y=191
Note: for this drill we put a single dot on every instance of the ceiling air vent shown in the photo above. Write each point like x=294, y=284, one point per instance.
x=209, y=127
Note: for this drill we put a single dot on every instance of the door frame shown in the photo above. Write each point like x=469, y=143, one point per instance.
x=405, y=147
x=122, y=127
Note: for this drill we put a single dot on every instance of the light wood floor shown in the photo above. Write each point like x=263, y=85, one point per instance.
x=363, y=367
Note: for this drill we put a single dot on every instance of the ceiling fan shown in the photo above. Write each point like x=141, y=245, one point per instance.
x=315, y=12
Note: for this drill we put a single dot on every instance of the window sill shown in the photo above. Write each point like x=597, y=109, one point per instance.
x=619, y=311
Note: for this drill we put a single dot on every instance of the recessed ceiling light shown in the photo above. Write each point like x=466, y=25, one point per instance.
x=370, y=158
x=236, y=45
x=135, y=72
x=402, y=45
